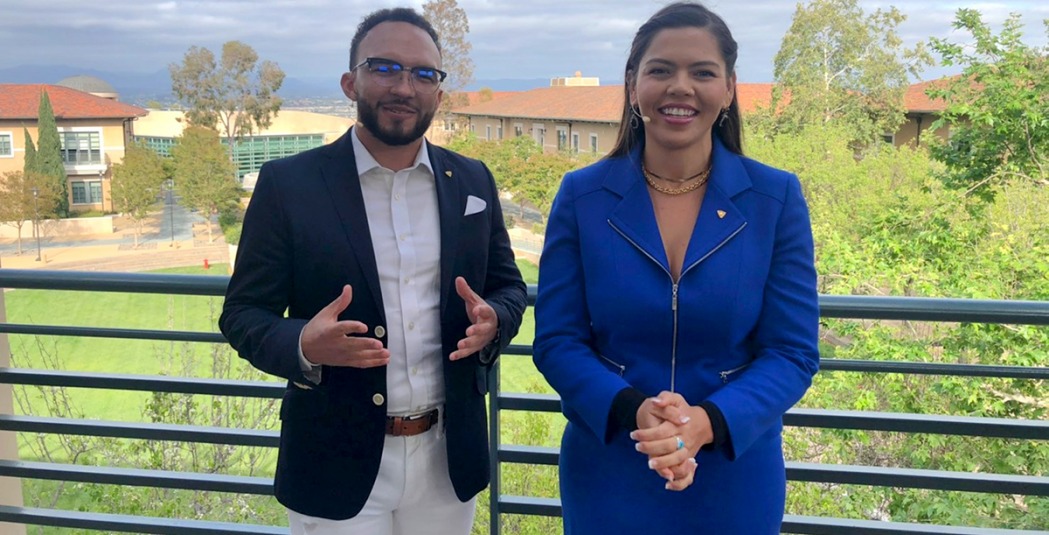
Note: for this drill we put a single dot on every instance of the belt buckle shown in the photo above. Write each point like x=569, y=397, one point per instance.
x=411, y=424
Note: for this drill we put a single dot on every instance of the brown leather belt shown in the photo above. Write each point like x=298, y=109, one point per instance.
x=413, y=424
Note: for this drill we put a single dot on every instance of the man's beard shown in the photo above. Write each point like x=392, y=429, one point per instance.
x=368, y=116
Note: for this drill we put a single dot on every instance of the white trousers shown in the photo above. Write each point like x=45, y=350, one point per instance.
x=413, y=495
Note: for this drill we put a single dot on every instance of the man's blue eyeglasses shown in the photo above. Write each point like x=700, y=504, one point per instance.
x=387, y=73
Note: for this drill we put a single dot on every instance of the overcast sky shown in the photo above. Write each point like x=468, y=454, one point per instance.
x=514, y=39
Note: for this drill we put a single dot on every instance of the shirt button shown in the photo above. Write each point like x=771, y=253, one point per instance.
x=415, y=370
x=407, y=281
x=397, y=197
x=403, y=237
x=377, y=399
x=380, y=331
x=411, y=325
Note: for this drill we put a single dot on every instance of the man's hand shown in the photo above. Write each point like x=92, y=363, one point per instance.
x=484, y=322
x=326, y=340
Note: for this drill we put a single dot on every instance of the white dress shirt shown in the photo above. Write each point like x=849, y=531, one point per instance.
x=406, y=235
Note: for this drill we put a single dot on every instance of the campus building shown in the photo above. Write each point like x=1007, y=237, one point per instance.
x=93, y=128
x=578, y=115
x=291, y=132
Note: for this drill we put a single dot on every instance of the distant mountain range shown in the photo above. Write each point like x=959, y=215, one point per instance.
x=142, y=87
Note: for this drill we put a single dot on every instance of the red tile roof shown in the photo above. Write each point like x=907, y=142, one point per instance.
x=21, y=101
x=599, y=104
x=915, y=100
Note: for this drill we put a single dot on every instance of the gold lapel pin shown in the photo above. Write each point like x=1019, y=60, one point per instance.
x=721, y=214
x=448, y=174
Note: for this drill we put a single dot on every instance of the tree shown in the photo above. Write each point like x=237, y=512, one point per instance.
x=237, y=97
x=203, y=173
x=453, y=27
x=838, y=64
x=17, y=202
x=28, y=166
x=136, y=183
x=997, y=109
x=48, y=159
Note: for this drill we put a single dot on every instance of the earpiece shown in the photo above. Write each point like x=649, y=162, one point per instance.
x=644, y=118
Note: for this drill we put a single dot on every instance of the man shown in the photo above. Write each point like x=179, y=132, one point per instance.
x=392, y=260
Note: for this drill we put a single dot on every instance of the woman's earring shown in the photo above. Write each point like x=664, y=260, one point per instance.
x=633, y=122
x=724, y=116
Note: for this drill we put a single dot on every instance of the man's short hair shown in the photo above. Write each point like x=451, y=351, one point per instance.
x=397, y=14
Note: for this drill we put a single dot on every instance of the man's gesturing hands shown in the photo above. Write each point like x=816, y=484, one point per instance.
x=326, y=340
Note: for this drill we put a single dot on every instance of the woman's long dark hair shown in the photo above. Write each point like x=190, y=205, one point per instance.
x=679, y=15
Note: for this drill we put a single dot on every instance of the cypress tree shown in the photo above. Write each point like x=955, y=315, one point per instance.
x=30, y=154
x=48, y=160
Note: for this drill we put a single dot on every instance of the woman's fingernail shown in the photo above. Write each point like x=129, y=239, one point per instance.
x=667, y=486
x=685, y=419
x=637, y=446
x=633, y=435
x=693, y=461
x=657, y=400
x=652, y=464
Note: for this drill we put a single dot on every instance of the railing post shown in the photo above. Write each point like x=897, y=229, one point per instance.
x=10, y=487
x=493, y=445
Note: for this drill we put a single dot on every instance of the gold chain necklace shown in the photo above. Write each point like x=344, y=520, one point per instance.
x=650, y=177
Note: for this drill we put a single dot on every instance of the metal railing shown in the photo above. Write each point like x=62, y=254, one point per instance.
x=937, y=310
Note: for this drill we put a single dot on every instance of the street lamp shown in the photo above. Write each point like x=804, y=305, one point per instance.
x=36, y=221
x=171, y=209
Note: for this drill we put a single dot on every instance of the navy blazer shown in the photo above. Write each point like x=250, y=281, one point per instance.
x=743, y=321
x=305, y=236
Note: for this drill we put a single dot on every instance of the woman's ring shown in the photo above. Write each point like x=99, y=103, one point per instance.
x=680, y=443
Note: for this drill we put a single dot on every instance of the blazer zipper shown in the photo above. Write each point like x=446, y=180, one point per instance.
x=674, y=290
x=725, y=374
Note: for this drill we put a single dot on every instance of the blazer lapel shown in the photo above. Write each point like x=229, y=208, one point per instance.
x=450, y=207
x=634, y=217
x=719, y=219
x=340, y=177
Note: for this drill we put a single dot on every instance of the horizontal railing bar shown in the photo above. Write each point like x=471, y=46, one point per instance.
x=130, y=524
x=136, y=477
x=814, y=525
x=935, y=309
x=104, y=332
x=96, y=281
x=142, y=383
x=936, y=424
x=146, y=431
x=855, y=420
x=935, y=368
x=878, y=476
x=832, y=306
x=806, y=525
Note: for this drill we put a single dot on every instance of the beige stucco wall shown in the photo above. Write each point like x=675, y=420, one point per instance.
x=907, y=134
x=606, y=133
x=112, y=146
x=168, y=123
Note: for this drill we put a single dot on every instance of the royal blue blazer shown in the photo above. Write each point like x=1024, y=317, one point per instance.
x=745, y=314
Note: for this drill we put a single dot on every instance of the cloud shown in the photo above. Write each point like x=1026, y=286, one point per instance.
x=511, y=38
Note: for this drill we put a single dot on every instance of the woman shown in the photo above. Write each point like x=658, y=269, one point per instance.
x=677, y=268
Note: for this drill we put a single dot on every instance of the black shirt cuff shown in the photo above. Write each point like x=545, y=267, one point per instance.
x=623, y=414
x=717, y=426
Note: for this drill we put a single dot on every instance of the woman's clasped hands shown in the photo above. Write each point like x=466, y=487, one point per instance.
x=671, y=432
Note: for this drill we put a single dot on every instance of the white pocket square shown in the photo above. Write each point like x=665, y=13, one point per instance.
x=474, y=205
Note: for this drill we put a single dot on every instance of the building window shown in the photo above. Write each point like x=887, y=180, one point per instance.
x=593, y=143
x=499, y=132
x=488, y=132
x=81, y=148
x=562, y=138
x=87, y=191
x=518, y=129
x=575, y=142
x=889, y=138
x=7, y=146
x=540, y=134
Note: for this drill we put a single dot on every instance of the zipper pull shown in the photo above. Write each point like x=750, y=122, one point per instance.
x=724, y=377
x=673, y=300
